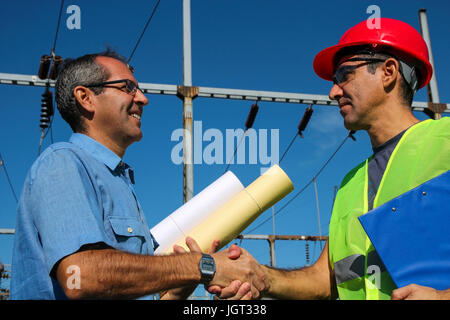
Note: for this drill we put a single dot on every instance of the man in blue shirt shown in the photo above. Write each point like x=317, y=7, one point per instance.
x=81, y=232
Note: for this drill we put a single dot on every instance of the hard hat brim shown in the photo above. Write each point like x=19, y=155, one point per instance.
x=324, y=67
x=323, y=63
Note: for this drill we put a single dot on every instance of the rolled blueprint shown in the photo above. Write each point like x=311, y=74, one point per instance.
x=177, y=225
x=236, y=214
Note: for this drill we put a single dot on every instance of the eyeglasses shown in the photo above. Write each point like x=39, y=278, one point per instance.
x=130, y=87
x=342, y=73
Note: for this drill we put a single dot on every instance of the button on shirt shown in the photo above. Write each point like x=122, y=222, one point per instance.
x=76, y=193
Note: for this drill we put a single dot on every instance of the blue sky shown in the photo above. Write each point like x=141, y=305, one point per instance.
x=257, y=45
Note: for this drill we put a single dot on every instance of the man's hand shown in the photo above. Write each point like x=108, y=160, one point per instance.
x=185, y=292
x=416, y=292
x=236, y=290
x=244, y=268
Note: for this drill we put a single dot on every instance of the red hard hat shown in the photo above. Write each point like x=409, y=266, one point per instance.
x=393, y=36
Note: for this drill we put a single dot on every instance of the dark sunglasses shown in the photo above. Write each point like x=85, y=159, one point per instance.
x=342, y=73
x=130, y=87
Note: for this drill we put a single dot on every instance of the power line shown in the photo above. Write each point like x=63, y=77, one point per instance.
x=287, y=149
x=300, y=128
x=143, y=31
x=57, y=28
x=350, y=135
x=248, y=124
x=2, y=162
x=235, y=150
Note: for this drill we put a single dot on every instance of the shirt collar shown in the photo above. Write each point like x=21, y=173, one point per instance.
x=96, y=149
x=393, y=141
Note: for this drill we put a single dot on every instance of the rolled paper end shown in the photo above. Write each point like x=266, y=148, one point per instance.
x=165, y=233
x=272, y=186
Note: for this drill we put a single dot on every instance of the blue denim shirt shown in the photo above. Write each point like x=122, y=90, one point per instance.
x=76, y=193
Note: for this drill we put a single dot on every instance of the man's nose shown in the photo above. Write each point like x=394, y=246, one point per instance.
x=140, y=98
x=335, y=92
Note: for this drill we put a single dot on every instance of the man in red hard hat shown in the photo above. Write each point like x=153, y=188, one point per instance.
x=375, y=73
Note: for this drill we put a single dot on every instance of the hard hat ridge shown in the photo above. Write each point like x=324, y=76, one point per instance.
x=394, y=37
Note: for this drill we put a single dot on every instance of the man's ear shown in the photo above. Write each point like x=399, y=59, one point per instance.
x=390, y=74
x=85, y=98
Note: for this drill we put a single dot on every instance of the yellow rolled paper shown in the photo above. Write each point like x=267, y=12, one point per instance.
x=238, y=213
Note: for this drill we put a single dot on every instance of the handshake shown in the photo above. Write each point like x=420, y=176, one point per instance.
x=238, y=275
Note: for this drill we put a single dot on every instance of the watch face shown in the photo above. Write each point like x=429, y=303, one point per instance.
x=208, y=265
x=207, y=268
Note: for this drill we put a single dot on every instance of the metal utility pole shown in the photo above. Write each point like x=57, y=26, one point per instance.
x=433, y=94
x=318, y=210
x=273, y=261
x=7, y=231
x=187, y=94
x=273, y=219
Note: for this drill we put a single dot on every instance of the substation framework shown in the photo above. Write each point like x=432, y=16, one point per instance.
x=187, y=93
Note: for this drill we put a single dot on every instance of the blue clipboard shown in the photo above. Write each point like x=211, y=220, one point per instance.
x=411, y=234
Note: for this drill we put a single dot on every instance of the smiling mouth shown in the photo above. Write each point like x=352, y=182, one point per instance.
x=134, y=112
x=135, y=115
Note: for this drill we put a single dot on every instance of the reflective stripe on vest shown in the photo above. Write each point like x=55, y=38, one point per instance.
x=422, y=153
x=353, y=266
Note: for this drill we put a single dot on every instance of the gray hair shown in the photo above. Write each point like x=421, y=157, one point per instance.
x=78, y=72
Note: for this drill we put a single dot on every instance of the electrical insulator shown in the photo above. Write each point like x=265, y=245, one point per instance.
x=55, y=67
x=44, y=66
x=251, y=116
x=304, y=122
x=46, y=108
x=307, y=252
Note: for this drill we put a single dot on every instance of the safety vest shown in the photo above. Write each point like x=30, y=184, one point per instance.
x=422, y=154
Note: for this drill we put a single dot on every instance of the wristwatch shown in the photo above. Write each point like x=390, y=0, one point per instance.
x=207, y=268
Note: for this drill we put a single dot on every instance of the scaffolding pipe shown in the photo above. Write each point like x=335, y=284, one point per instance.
x=188, y=153
x=271, y=240
x=318, y=210
x=7, y=231
x=217, y=93
x=432, y=88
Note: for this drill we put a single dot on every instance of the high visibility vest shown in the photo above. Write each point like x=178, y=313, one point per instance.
x=422, y=154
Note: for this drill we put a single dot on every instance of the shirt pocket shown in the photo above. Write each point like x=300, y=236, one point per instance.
x=129, y=234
